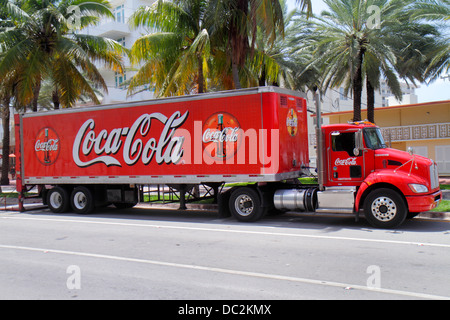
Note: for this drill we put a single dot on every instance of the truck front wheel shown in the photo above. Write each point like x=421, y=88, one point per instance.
x=385, y=208
x=82, y=200
x=245, y=205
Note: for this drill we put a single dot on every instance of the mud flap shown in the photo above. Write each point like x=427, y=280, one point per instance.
x=222, y=202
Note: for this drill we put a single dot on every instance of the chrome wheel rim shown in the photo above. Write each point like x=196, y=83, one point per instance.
x=244, y=205
x=384, y=209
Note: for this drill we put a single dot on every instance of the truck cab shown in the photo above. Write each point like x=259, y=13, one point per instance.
x=389, y=184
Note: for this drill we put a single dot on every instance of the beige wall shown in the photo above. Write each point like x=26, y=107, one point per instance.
x=401, y=116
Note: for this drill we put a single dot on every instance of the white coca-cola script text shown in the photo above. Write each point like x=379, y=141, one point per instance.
x=164, y=149
x=50, y=145
x=226, y=135
x=345, y=162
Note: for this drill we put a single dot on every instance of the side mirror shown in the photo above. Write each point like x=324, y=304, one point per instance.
x=410, y=150
x=359, y=140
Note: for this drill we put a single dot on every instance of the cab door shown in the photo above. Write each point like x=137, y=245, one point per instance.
x=345, y=160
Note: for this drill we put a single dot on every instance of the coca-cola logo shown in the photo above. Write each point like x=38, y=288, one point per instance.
x=222, y=135
x=47, y=146
x=129, y=145
x=345, y=162
x=292, y=123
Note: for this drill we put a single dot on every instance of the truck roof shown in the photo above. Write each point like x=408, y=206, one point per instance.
x=193, y=97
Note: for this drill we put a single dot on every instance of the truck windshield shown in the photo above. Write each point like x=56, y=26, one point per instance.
x=374, y=139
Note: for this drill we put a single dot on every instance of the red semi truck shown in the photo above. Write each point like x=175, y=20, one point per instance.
x=83, y=157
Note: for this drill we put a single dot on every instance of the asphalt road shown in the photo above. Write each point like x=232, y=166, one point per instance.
x=159, y=254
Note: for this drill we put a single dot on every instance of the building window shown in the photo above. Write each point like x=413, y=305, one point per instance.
x=120, y=78
x=121, y=41
x=119, y=13
x=342, y=94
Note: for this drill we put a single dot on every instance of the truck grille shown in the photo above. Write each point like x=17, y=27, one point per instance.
x=434, y=176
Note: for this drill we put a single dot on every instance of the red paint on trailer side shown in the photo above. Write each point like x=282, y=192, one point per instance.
x=228, y=134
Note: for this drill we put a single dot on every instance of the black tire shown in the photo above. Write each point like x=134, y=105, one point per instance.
x=385, y=208
x=245, y=205
x=82, y=200
x=412, y=215
x=58, y=200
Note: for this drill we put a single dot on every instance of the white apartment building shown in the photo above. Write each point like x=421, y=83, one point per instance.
x=335, y=99
x=118, y=29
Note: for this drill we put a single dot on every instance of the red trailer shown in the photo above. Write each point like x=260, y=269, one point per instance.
x=84, y=157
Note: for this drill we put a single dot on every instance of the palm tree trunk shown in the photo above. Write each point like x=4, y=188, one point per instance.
x=262, y=78
x=357, y=87
x=5, y=152
x=370, y=102
x=34, y=104
x=235, y=71
x=55, y=98
x=201, y=80
x=238, y=36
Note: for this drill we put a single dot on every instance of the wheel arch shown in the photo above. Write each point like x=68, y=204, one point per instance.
x=364, y=191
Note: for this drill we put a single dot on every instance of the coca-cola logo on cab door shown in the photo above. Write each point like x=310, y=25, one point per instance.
x=345, y=162
x=47, y=146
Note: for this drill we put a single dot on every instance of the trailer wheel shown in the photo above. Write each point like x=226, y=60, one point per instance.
x=82, y=200
x=58, y=200
x=385, y=208
x=245, y=205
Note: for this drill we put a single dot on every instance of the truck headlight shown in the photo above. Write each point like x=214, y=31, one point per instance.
x=418, y=188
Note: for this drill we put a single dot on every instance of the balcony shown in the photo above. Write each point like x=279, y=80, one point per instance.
x=110, y=29
x=417, y=132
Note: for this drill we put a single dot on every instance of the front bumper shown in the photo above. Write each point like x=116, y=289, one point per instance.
x=422, y=203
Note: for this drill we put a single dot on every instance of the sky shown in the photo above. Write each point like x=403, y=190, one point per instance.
x=436, y=91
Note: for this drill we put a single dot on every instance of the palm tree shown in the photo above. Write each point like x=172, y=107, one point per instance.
x=175, y=55
x=211, y=37
x=6, y=89
x=45, y=44
x=39, y=42
x=431, y=10
x=435, y=11
x=349, y=51
x=271, y=62
x=235, y=23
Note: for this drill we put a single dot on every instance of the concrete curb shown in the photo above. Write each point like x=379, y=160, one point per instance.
x=445, y=194
x=444, y=216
